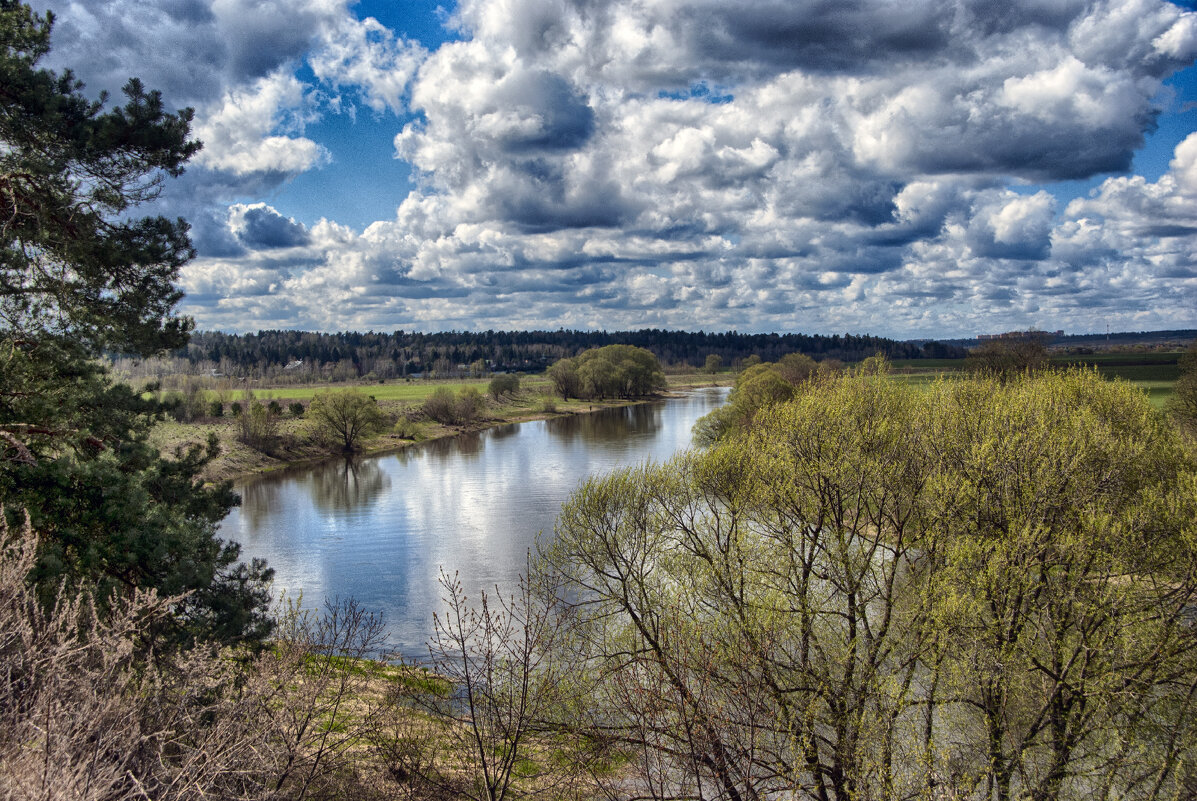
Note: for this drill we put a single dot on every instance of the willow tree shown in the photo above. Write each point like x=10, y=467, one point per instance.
x=882, y=591
x=613, y=371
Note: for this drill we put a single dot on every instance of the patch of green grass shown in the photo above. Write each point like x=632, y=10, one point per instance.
x=927, y=365
x=1155, y=380
x=1117, y=358
x=413, y=678
x=1141, y=372
x=1158, y=392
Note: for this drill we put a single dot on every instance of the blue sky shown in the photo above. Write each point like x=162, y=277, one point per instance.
x=929, y=168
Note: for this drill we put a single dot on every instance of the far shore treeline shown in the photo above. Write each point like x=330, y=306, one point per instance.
x=402, y=353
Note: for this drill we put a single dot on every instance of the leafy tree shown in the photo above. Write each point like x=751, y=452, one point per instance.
x=979, y=589
x=619, y=371
x=713, y=364
x=1006, y=358
x=564, y=375
x=79, y=272
x=501, y=385
x=796, y=367
x=345, y=417
x=757, y=387
x=1183, y=403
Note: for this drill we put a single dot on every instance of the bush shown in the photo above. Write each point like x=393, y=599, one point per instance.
x=296, y=409
x=87, y=713
x=441, y=406
x=216, y=409
x=257, y=427
x=502, y=385
x=235, y=409
x=449, y=409
x=275, y=408
x=469, y=405
x=407, y=428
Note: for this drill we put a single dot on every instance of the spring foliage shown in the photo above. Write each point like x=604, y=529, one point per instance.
x=981, y=589
x=613, y=371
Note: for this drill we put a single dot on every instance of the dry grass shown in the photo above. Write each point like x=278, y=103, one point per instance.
x=91, y=710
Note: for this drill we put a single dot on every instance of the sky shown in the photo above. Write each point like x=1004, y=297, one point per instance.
x=904, y=168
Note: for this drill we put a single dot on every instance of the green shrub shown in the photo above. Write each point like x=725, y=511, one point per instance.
x=441, y=406
x=407, y=428
x=502, y=385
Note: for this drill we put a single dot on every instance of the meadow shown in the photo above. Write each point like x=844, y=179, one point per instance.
x=1155, y=373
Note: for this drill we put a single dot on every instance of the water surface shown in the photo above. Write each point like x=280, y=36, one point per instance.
x=380, y=529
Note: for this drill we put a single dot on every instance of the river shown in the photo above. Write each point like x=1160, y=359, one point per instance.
x=379, y=529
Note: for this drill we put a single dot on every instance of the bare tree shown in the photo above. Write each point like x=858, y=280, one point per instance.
x=499, y=683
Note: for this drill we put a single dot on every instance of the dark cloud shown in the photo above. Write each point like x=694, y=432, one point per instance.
x=263, y=227
x=827, y=36
x=212, y=238
x=563, y=119
x=190, y=50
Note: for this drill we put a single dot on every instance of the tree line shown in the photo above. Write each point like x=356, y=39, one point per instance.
x=353, y=355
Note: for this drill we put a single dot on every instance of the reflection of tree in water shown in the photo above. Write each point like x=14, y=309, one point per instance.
x=469, y=444
x=260, y=501
x=349, y=484
x=609, y=424
x=503, y=432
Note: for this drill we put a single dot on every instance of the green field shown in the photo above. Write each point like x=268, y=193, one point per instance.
x=1154, y=373
x=417, y=391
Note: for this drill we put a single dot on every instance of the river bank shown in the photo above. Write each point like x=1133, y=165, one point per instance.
x=297, y=443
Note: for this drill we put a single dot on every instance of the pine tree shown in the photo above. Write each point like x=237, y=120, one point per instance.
x=80, y=273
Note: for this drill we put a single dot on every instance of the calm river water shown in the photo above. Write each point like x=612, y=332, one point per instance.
x=380, y=529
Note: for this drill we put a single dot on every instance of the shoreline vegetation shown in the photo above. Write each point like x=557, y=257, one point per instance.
x=298, y=443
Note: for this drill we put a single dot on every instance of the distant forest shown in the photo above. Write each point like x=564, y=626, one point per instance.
x=400, y=354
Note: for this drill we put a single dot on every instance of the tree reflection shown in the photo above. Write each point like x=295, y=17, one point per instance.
x=347, y=484
x=259, y=501
x=468, y=444
x=608, y=425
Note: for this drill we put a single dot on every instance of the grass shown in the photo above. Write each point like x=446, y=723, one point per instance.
x=419, y=679
x=1154, y=373
x=399, y=391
